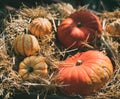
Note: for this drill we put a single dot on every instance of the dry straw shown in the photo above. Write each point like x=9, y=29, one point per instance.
x=11, y=81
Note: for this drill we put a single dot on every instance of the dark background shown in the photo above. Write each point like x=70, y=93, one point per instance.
x=98, y=5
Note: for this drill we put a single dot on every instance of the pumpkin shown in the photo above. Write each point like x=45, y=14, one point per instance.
x=84, y=73
x=40, y=27
x=32, y=68
x=114, y=27
x=26, y=45
x=79, y=27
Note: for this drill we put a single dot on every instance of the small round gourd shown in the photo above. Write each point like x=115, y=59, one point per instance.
x=40, y=27
x=33, y=68
x=114, y=27
x=84, y=73
x=26, y=45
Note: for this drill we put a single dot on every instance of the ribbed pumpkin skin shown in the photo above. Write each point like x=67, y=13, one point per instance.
x=33, y=67
x=40, y=27
x=78, y=27
x=96, y=69
x=26, y=45
x=113, y=28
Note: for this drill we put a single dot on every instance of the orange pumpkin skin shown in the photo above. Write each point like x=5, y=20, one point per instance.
x=113, y=28
x=26, y=45
x=32, y=68
x=78, y=27
x=40, y=27
x=84, y=73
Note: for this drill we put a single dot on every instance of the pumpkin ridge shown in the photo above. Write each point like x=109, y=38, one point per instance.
x=25, y=76
x=31, y=27
x=32, y=58
x=80, y=82
x=102, y=60
x=95, y=73
x=37, y=29
x=20, y=38
x=40, y=27
x=106, y=75
x=16, y=45
x=66, y=65
x=21, y=67
x=107, y=70
x=100, y=57
x=95, y=76
x=41, y=72
x=88, y=79
x=27, y=65
x=89, y=75
x=37, y=63
x=33, y=30
x=73, y=78
x=93, y=56
x=27, y=61
x=38, y=33
x=32, y=46
x=30, y=69
x=41, y=59
x=93, y=22
x=24, y=44
x=22, y=53
x=50, y=28
x=21, y=72
x=41, y=66
x=81, y=70
x=48, y=31
x=90, y=68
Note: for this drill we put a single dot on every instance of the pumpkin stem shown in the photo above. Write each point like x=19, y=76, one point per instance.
x=79, y=24
x=30, y=69
x=79, y=62
x=26, y=30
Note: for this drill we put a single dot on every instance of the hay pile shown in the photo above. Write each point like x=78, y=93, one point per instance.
x=112, y=47
x=15, y=24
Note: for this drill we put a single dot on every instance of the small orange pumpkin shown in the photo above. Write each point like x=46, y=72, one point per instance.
x=114, y=27
x=80, y=26
x=33, y=67
x=26, y=45
x=40, y=27
x=84, y=73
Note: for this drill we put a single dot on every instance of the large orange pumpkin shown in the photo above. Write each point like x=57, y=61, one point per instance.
x=80, y=26
x=84, y=73
x=33, y=68
x=26, y=45
x=40, y=27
